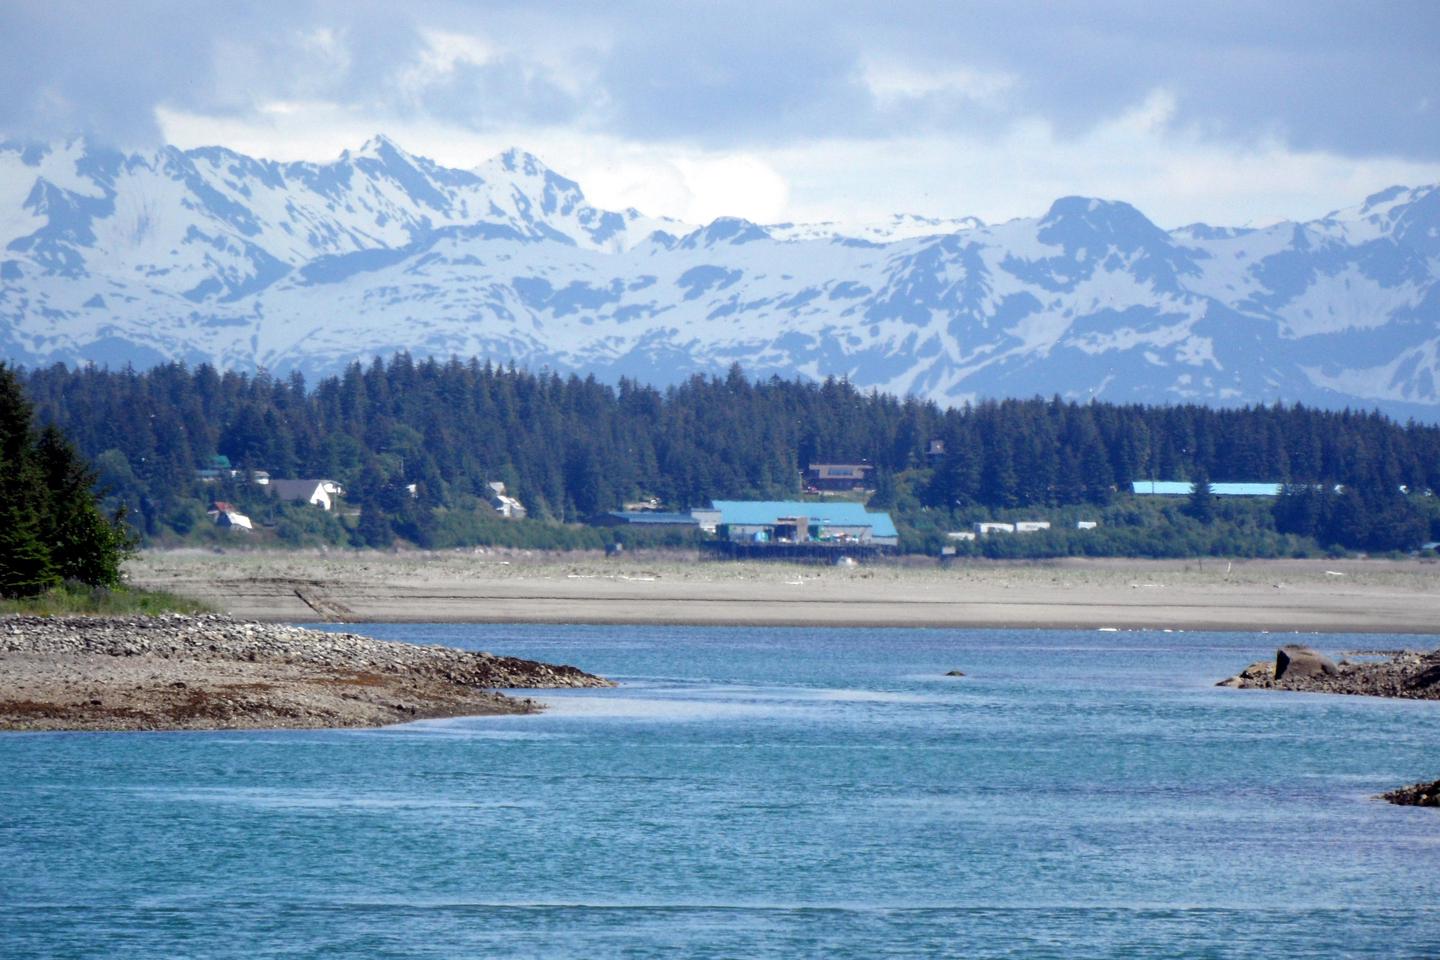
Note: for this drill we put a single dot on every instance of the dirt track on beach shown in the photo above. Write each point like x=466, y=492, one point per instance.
x=1327, y=596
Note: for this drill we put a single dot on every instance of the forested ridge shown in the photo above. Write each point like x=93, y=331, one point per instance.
x=571, y=447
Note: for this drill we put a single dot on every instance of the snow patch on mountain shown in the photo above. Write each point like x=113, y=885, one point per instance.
x=209, y=255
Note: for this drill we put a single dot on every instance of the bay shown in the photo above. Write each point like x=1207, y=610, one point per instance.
x=757, y=792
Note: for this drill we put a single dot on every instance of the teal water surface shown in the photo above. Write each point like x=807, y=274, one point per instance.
x=744, y=793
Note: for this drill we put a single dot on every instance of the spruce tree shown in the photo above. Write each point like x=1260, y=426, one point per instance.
x=26, y=568
x=1202, y=499
x=84, y=545
x=51, y=528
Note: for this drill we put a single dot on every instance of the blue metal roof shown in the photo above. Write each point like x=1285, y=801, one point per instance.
x=653, y=516
x=1183, y=488
x=840, y=513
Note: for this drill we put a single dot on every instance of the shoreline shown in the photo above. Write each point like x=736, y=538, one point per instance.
x=211, y=672
x=1275, y=596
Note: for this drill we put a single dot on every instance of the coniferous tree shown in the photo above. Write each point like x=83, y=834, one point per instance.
x=84, y=545
x=1202, y=498
x=51, y=527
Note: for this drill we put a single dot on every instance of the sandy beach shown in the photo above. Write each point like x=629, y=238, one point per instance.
x=1305, y=596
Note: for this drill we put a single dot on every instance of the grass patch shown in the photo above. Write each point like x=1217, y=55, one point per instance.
x=73, y=598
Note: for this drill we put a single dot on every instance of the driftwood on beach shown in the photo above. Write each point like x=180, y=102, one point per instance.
x=214, y=672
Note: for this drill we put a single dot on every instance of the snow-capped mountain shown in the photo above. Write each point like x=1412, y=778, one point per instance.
x=209, y=255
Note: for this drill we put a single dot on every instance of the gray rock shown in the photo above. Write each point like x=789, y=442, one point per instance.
x=1296, y=660
x=955, y=673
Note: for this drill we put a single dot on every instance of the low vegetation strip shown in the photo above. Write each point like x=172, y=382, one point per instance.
x=177, y=672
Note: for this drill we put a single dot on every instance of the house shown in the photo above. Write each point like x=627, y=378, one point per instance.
x=838, y=477
x=216, y=468
x=225, y=515
x=505, y=505
x=1031, y=526
x=219, y=467
x=987, y=527
x=318, y=492
x=1183, y=488
x=935, y=451
x=828, y=524
x=1086, y=524
x=960, y=535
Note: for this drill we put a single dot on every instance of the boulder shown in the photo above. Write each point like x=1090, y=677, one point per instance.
x=1296, y=661
x=955, y=673
x=1261, y=673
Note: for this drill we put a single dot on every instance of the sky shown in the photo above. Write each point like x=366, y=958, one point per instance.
x=1226, y=112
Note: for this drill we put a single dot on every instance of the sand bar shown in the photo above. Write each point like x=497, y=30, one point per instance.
x=1321, y=596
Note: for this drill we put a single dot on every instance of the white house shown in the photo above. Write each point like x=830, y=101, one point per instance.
x=226, y=515
x=1031, y=526
x=504, y=505
x=318, y=492
x=960, y=535
x=1086, y=524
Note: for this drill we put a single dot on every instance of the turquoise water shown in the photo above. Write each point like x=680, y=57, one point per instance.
x=784, y=793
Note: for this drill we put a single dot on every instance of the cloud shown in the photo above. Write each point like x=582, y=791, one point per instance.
x=777, y=108
x=1358, y=80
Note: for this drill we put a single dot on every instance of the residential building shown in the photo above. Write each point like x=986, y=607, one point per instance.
x=838, y=477
x=319, y=492
x=225, y=515
x=504, y=504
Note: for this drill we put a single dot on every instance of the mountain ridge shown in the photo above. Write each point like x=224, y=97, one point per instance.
x=208, y=255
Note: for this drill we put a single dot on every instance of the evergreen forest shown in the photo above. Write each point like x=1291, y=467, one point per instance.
x=52, y=531
x=415, y=444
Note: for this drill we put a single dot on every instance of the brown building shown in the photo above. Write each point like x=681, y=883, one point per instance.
x=838, y=476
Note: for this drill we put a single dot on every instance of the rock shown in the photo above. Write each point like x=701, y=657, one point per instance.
x=1401, y=673
x=1415, y=795
x=955, y=673
x=1261, y=673
x=1296, y=660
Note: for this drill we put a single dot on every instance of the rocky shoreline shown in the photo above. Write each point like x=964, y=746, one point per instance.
x=1406, y=674
x=1415, y=795
x=214, y=672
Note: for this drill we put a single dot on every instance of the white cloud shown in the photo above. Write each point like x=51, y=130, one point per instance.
x=1171, y=174
x=889, y=81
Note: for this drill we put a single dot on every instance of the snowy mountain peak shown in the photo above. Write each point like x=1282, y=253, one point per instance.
x=726, y=230
x=212, y=255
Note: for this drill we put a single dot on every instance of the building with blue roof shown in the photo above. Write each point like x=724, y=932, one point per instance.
x=837, y=523
x=1183, y=488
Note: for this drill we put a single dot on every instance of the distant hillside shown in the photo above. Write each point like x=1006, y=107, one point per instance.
x=415, y=446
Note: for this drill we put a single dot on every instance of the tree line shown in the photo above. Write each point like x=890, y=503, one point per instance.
x=571, y=447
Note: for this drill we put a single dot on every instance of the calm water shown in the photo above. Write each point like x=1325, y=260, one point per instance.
x=786, y=793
